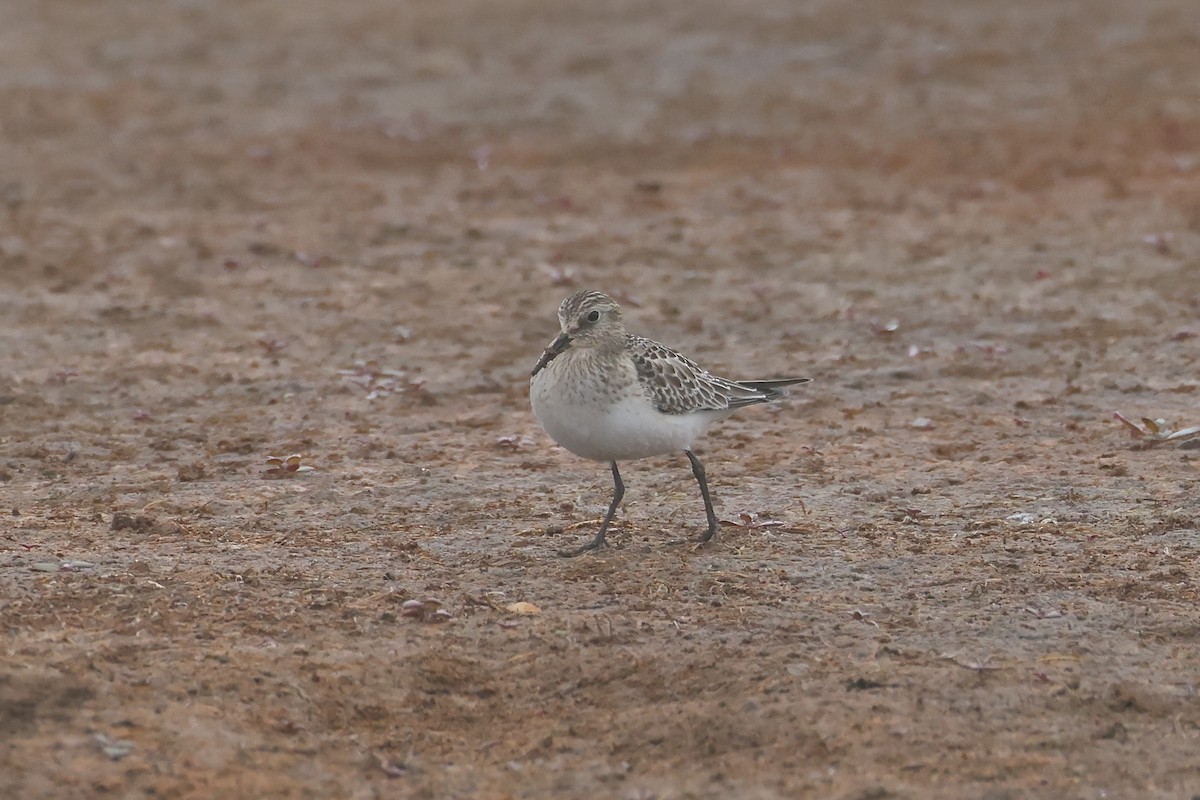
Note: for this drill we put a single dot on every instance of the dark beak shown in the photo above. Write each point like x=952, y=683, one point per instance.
x=551, y=352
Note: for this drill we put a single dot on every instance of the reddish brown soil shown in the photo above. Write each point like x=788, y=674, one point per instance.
x=231, y=230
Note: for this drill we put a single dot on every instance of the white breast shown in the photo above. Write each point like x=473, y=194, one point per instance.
x=610, y=426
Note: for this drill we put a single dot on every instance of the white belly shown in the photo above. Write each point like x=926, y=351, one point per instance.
x=612, y=429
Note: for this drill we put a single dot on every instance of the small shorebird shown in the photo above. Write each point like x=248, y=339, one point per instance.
x=609, y=396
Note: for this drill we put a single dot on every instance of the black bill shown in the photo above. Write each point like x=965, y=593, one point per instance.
x=551, y=352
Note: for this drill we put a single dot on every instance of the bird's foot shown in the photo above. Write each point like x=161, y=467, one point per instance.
x=594, y=544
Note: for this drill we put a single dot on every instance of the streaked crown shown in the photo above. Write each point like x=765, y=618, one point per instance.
x=576, y=307
x=592, y=319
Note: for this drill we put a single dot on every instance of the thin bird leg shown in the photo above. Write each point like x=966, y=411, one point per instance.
x=698, y=471
x=598, y=542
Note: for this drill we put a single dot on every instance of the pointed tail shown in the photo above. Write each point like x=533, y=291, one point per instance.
x=772, y=389
x=777, y=383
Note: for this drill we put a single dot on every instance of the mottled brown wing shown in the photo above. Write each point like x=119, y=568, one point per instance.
x=678, y=385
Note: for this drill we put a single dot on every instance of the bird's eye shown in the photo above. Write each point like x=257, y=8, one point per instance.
x=593, y=316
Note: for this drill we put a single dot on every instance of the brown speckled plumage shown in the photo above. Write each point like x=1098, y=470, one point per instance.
x=609, y=396
x=678, y=385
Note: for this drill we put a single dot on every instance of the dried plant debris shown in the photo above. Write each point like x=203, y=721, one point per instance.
x=63, y=566
x=1153, y=432
x=115, y=749
x=379, y=381
x=751, y=521
x=523, y=608
x=427, y=610
x=391, y=767
x=513, y=442
x=286, y=466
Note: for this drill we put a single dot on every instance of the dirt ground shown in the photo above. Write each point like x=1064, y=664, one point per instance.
x=235, y=230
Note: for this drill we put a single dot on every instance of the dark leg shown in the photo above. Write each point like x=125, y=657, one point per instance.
x=698, y=471
x=618, y=493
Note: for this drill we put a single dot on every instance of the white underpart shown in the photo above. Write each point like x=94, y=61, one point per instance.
x=626, y=429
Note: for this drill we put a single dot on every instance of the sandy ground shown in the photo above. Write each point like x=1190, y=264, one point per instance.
x=236, y=230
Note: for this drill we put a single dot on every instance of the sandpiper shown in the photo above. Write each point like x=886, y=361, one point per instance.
x=606, y=395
